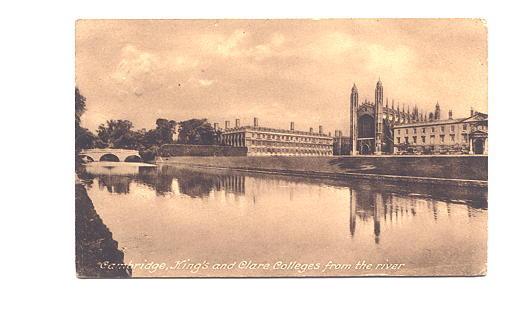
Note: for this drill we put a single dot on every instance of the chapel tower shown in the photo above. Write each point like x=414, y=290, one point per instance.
x=378, y=118
x=354, y=106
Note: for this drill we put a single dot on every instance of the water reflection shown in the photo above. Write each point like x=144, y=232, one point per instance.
x=368, y=202
x=193, y=183
x=266, y=216
x=390, y=207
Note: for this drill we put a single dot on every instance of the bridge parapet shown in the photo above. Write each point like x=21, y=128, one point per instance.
x=111, y=154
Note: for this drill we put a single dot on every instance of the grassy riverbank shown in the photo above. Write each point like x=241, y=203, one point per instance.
x=94, y=243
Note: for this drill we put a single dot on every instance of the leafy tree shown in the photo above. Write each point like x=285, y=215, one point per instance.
x=118, y=134
x=197, y=131
x=80, y=106
x=165, y=129
x=84, y=139
x=162, y=134
x=80, y=133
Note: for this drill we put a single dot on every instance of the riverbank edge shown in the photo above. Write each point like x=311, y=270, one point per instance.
x=94, y=243
x=343, y=175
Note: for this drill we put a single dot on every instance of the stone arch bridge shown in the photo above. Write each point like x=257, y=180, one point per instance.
x=110, y=154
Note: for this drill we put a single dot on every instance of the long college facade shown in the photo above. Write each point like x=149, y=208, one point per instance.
x=262, y=141
x=449, y=136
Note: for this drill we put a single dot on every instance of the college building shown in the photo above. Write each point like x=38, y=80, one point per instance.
x=377, y=128
x=443, y=136
x=265, y=141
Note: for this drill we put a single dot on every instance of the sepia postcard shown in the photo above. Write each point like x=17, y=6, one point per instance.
x=281, y=148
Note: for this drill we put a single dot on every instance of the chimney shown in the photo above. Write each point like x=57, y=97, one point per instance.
x=450, y=114
x=329, y=134
x=311, y=129
x=336, y=133
x=216, y=126
x=237, y=123
x=471, y=111
x=320, y=129
x=255, y=122
x=227, y=124
x=292, y=126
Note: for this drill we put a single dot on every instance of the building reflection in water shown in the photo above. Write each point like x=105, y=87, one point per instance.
x=368, y=207
x=192, y=183
x=380, y=205
x=353, y=211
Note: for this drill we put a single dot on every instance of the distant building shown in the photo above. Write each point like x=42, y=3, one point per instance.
x=377, y=128
x=341, y=144
x=262, y=141
x=448, y=136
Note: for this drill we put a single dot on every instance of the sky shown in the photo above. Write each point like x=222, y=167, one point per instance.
x=276, y=70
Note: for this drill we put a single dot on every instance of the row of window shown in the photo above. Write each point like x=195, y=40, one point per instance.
x=452, y=138
x=297, y=139
x=290, y=138
x=288, y=151
x=432, y=129
x=282, y=144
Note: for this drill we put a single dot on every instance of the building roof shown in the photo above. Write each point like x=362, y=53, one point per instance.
x=274, y=130
x=478, y=116
x=430, y=123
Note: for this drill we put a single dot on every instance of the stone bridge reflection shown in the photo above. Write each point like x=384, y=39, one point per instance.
x=372, y=206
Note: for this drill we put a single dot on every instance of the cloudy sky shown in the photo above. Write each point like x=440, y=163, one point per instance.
x=276, y=70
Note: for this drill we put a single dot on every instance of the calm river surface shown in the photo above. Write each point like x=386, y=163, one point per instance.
x=206, y=222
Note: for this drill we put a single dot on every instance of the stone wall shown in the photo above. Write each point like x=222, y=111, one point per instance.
x=168, y=150
x=468, y=167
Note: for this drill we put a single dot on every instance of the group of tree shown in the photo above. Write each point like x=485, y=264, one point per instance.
x=121, y=133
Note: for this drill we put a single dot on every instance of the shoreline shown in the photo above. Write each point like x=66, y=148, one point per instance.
x=343, y=168
x=94, y=243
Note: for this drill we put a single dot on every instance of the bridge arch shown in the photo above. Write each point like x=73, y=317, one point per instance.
x=110, y=157
x=133, y=158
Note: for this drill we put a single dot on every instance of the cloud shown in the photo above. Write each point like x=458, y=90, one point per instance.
x=181, y=63
x=381, y=58
x=242, y=44
x=333, y=44
x=230, y=46
x=206, y=83
x=137, y=72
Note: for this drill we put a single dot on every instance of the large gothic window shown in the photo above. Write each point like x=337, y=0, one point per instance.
x=366, y=127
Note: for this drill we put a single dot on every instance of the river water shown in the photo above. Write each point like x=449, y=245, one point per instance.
x=173, y=221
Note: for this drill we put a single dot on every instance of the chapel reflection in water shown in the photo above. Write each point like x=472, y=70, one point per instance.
x=388, y=207
x=371, y=203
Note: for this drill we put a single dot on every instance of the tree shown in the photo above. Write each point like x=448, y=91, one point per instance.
x=81, y=135
x=84, y=139
x=165, y=129
x=197, y=131
x=80, y=106
x=118, y=134
x=162, y=134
